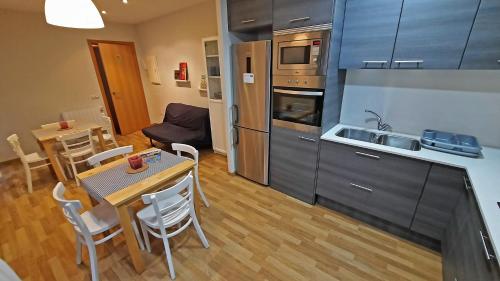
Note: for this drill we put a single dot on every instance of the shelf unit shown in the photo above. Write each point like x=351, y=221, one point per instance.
x=214, y=93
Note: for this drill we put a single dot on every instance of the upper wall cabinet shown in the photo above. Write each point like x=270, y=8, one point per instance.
x=433, y=33
x=370, y=29
x=299, y=13
x=483, y=48
x=246, y=15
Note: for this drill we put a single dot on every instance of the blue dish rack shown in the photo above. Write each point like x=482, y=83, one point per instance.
x=451, y=143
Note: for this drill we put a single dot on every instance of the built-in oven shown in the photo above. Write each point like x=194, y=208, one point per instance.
x=298, y=109
x=301, y=53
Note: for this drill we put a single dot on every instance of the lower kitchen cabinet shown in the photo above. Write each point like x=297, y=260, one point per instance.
x=467, y=253
x=380, y=184
x=442, y=190
x=293, y=162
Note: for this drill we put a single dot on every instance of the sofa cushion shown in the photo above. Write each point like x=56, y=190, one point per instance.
x=187, y=116
x=170, y=133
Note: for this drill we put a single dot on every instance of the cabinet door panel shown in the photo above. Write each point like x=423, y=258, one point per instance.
x=434, y=32
x=483, y=48
x=249, y=14
x=370, y=28
x=380, y=184
x=298, y=13
x=434, y=213
x=293, y=162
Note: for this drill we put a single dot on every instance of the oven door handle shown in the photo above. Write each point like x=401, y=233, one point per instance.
x=301, y=93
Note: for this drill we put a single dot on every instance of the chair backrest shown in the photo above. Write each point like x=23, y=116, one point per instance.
x=55, y=125
x=182, y=200
x=78, y=141
x=107, y=124
x=89, y=114
x=7, y=273
x=179, y=147
x=95, y=160
x=16, y=146
x=70, y=209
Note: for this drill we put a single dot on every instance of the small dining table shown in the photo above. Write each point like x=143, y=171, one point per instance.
x=110, y=182
x=47, y=137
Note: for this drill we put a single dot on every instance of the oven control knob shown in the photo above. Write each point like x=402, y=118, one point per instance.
x=289, y=81
x=305, y=82
x=296, y=81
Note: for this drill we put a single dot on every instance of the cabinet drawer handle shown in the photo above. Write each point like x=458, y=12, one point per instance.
x=300, y=19
x=367, y=155
x=307, y=139
x=375, y=61
x=486, y=252
x=361, y=187
x=247, y=21
x=466, y=183
x=418, y=62
x=498, y=61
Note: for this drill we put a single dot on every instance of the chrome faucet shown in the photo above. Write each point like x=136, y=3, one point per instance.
x=380, y=126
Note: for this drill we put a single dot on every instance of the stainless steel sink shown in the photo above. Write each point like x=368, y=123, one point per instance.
x=383, y=139
x=399, y=142
x=356, y=134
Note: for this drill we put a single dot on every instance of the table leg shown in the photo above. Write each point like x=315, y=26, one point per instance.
x=48, y=147
x=132, y=246
x=102, y=143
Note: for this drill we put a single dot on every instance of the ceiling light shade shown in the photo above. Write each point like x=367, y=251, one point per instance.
x=73, y=14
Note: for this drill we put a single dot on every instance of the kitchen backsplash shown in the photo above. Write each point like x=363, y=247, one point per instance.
x=413, y=100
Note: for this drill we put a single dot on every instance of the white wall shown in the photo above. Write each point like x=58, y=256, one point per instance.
x=45, y=70
x=176, y=38
x=413, y=100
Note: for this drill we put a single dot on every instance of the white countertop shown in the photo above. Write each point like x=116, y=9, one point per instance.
x=484, y=173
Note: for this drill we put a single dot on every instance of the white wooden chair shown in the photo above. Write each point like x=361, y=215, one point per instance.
x=30, y=161
x=194, y=155
x=55, y=125
x=108, y=133
x=77, y=148
x=95, y=161
x=167, y=208
x=7, y=273
x=95, y=221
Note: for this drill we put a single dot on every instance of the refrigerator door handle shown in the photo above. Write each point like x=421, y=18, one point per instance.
x=236, y=136
x=236, y=115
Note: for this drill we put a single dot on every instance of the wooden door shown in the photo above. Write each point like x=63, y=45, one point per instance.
x=124, y=81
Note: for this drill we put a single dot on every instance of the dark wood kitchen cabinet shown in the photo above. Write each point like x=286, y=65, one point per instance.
x=433, y=34
x=370, y=28
x=483, y=48
x=467, y=252
x=299, y=13
x=247, y=15
x=379, y=184
x=442, y=190
x=293, y=162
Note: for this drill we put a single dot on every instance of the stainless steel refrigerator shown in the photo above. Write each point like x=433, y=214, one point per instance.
x=251, y=110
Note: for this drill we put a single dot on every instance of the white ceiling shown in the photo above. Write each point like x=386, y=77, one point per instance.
x=136, y=11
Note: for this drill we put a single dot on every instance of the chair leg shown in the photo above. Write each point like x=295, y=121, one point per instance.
x=29, y=182
x=146, y=237
x=169, y=257
x=199, y=231
x=198, y=186
x=73, y=167
x=136, y=229
x=151, y=142
x=78, y=250
x=60, y=168
x=93, y=262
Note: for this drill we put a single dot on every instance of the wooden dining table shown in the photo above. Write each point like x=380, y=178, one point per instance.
x=47, y=137
x=111, y=183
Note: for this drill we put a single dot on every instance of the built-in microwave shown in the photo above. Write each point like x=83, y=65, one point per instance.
x=301, y=53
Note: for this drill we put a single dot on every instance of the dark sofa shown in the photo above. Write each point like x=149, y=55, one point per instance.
x=182, y=124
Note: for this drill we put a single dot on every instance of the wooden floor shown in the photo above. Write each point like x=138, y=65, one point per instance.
x=255, y=233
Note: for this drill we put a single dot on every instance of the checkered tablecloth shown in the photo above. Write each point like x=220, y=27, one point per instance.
x=103, y=184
